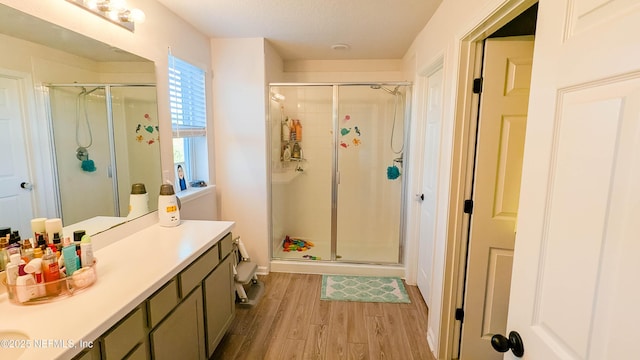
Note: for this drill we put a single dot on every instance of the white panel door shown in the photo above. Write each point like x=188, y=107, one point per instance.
x=426, y=245
x=574, y=291
x=498, y=167
x=16, y=209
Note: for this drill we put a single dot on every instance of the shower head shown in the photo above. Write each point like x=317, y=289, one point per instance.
x=392, y=92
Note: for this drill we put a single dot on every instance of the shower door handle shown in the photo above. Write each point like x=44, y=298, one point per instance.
x=420, y=197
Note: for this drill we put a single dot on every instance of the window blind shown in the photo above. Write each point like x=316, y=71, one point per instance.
x=187, y=99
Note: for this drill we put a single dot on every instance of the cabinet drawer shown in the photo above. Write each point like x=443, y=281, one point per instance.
x=162, y=302
x=225, y=245
x=196, y=272
x=124, y=336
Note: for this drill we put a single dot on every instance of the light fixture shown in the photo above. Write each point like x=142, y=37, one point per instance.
x=115, y=11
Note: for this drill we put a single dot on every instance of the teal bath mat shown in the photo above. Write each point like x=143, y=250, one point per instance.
x=363, y=288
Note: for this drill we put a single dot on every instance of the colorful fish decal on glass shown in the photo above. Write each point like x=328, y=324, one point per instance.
x=138, y=128
x=139, y=138
x=345, y=131
x=356, y=142
x=347, y=117
x=357, y=130
x=343, y=144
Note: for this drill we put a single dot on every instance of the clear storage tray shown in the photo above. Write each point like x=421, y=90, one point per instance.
x=53, y=290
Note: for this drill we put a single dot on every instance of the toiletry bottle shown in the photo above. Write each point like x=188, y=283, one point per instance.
x=286, y=132
x=70, y=257
x=51, y=272
x=25, y=285
x=298, y=131
x=292, y=130
x=57, y=242
x=27, y=250
x=4, y=243
x=168, y=210
x=15, y=237
x=295, y=154
x=34, y=268
x=38, y=227
x=37, y=253
x=78, y=234
x=86, y=251
x=138, y=201
x=12, y=268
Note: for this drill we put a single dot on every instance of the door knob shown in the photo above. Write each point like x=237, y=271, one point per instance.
x=513, y=343
x=26, y=185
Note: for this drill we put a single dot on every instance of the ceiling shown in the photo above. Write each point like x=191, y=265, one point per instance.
x=307, y=29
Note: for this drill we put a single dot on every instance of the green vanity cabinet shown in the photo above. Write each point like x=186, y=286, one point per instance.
x=219, y=298
x=181, y=334
x=185, y=319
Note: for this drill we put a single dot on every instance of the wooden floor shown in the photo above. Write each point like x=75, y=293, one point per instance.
x=291, y=322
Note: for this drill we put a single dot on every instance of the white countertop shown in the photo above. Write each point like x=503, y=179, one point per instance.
x=129, y=271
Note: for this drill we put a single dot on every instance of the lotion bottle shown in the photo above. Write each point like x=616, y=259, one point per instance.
x=168, y=209
x=86, y=251
x=12, y=268
x=70, y=259
x=34, y=268
x=25, y=285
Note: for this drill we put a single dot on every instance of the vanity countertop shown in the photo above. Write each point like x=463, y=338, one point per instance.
x=129, y=271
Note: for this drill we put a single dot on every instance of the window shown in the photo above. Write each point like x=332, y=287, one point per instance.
x=187, y=104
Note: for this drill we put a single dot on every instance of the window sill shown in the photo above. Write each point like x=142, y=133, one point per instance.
x=194, y=193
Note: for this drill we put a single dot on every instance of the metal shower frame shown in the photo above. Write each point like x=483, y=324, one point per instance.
x=112, y=149
x=334, y=189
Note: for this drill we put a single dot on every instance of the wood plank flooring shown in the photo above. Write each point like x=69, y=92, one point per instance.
x=291, y=322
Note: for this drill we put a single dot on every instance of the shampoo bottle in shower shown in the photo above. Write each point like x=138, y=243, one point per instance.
x=298, y=130
x=286, y=132
x=296, y=153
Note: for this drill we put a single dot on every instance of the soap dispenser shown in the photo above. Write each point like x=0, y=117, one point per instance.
x=168, y=206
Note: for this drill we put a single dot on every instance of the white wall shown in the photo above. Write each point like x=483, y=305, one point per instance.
x=240, y=114
x=441, y=39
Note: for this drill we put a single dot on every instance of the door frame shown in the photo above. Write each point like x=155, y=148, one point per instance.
x=465, y=126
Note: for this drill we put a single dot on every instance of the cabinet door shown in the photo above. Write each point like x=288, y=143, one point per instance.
x=219, y=302
x=181, y=334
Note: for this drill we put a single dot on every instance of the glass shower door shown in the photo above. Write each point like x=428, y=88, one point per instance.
x=370, y=137
x=301, y=172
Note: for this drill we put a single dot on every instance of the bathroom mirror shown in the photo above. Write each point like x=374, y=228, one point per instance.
x=98, y=105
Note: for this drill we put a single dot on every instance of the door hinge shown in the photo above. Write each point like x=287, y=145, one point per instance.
x=477, y=86
x=468, y=206
x=460, y=314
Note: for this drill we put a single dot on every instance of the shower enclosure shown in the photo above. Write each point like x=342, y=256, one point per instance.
x=336, y=157
x=105, y=138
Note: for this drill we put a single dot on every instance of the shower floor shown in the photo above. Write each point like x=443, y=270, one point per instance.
x=353, y=252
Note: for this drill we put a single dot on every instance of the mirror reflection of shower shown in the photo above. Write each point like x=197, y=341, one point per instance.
x=112, y=132
x=84, y=136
